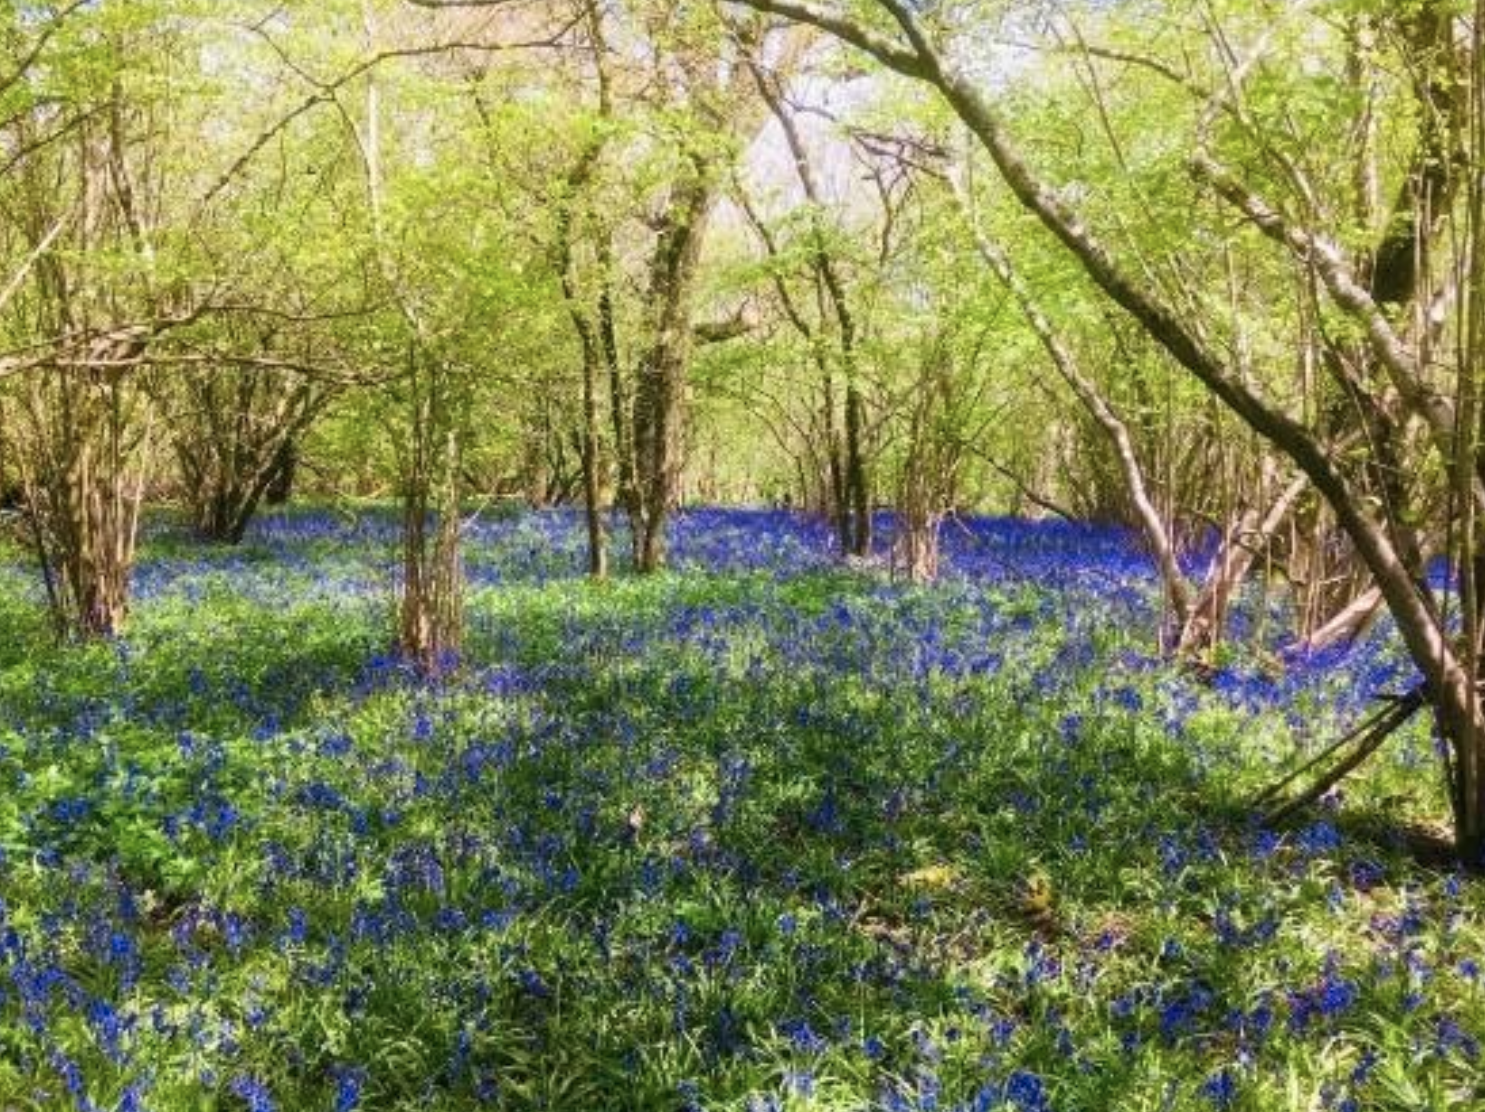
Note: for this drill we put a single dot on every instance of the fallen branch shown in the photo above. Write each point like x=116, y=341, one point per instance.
x=1368, y=737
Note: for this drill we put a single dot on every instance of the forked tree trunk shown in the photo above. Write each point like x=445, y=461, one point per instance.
x=825, y=491
x=1250, y=535
x=431, y=609
x=849, y=473
x=236, y=445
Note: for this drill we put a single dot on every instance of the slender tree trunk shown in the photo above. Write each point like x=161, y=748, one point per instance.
x=835, y=501
x=596, y=340
x=855, y=500
x=840, y=501
x=857, y=481
x=1178, y=591
x=1344, y=625
x=1241, y=544
x=590, y=438
x=592, y=474
x=431, y=611
x=1468, y=771
x=285, y=470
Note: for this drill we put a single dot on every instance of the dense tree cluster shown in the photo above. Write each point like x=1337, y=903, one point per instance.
x=1212, y=269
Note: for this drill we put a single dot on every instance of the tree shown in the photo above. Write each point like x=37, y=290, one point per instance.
x=849, y=480
x=1395, y=390
x=592, y=319
x=717, y=89
x=93, y=293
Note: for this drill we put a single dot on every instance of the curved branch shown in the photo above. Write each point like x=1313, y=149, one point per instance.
x=1411, y=605
x=891, y=54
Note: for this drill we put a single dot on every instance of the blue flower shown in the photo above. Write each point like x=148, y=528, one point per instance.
x=254, y=1092
x=1336, y=996
x=1450, y=1036
x=1318, y=838
x=1180, y=1015
x=348, y=1084
x=803, y=1036
x=1027, y=1092
x=1220, y=1089
x=532, y=982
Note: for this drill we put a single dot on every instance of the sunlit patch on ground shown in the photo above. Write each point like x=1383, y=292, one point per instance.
x=758, y=833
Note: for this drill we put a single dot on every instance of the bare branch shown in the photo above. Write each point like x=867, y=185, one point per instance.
x=325, y=91
x=1334, y=271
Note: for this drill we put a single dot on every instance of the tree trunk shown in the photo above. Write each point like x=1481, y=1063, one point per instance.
x=285, y=470
x=1178, y=592
x=592, y=474
x=1345, y=625
x=849, y=475
x=660, y=383
x=431, y=610
x=1450, y=679
x=235, y=444
x=84, y=489
x=1229, y=568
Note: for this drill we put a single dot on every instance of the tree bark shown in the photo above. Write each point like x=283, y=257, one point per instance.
x=660, y=380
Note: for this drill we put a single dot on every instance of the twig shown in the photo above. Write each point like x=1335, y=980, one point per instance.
x=1369, y=735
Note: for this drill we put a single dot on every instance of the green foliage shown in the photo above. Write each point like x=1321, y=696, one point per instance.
x=720, y=838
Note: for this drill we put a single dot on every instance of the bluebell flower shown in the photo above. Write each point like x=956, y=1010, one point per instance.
x=1180, y=1015
x=1027, y=1092
x=1336, y=996
x=533, y=984
x=1220, y=1089
x=803, y=1036
x=1450, y=1036
x=801, y=1082
x=349, y=1081
x=1318, y=838
x=254, y=1092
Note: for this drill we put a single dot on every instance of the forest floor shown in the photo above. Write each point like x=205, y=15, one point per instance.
x=758, y=833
